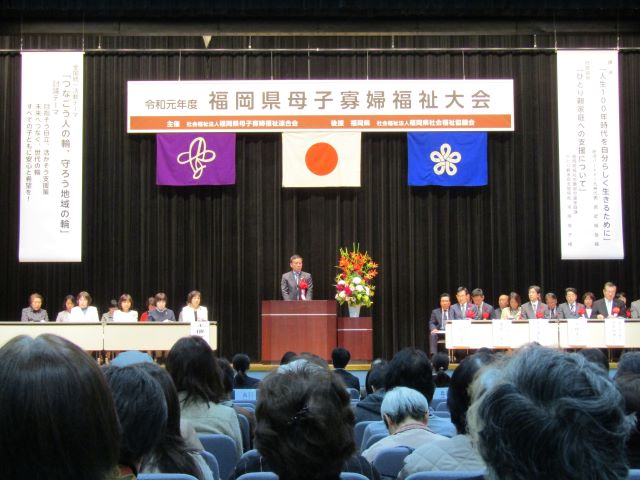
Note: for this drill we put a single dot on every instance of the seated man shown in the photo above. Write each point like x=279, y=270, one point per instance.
x=340, y=358
x=534, y=308
x=551, y=300
x=546, y=414
x=503, y=302
x=438, y=321
x=464, y=309
x=405, y=413
x=484, y=309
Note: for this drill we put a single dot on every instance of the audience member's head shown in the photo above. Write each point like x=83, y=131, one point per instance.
x=304, y=422
x=458, y=397
x=241, y=362
x=195, y=371
x=375, y=376
x=596, y=356
x=411, y=368
x=227, y=376
x=403, y=405
x=288, y=357
x=57, y=415
x=547, y=414
x=142, y=411
x=440, y=363
x=171, y=454
x=629, y=386
x=340, y=357
x=629, y=363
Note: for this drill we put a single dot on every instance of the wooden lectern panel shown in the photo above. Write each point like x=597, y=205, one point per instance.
x=356, y=335
x=298, y=326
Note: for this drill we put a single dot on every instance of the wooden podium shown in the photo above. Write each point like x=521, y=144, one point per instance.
x=308, y=326
x=356, y=335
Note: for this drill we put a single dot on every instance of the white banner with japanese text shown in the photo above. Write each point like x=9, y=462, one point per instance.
x=589, y=155
x=289, y=105
x=51, y=157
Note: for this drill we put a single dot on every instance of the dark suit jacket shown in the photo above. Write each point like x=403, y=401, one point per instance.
x=527, y=310
x=600, y=308
x=458, y=314
x=350, y=380
x=289, y=287
x=565, y=312
x=486, y=308
x=436, y=319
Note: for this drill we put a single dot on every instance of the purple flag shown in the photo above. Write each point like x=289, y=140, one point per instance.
x=196, y=159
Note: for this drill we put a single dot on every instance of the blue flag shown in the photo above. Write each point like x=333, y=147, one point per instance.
x=448, y=159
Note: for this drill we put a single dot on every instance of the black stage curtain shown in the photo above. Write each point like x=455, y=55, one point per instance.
x=233, y=243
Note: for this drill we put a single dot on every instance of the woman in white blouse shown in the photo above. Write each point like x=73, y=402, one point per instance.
x=193, y=311
x=124, y=312
x=84, y=311
x=65, y=315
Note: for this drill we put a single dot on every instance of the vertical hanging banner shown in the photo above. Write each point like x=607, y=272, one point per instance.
x=589, y=155
x=51, y=157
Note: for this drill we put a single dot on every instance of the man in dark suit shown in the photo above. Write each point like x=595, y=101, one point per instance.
x=534, y=308
x=552, y=305
x=438, y=320
x=603, y=308
x=571, y=308
x=464, y=309
x=340, y=358
x=484, y=309
x=293, y=282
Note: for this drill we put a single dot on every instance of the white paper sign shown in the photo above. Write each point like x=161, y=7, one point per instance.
x=614, y=332
x=577, y=334
x=589, y=155
x=200, y=329
x=539, y=331
x=460, y=333
x=501, y=333
x=51, y=157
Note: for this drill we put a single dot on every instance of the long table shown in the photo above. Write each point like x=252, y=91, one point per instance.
x=484, y=333
x=110, y=336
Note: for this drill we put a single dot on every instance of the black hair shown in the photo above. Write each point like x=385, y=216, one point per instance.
x=410, y=367
x=287, y=357
x=458, y=398
x=227, y=376
x=340, y=357
x=304, y=422
x=57, y=416
x=375, y=375
x=142, y=411
x=440, y=363
x=629, y=363
x=596, y=356
x=171, y=454
x=194, y=370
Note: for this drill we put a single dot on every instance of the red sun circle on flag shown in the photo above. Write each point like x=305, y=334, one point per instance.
x=321, y=158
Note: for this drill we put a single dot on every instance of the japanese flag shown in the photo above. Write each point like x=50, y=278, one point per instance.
x=321, y=159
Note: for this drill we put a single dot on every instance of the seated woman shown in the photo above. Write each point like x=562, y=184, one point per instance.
x=193, y=311
x=305, y=426
x=198, y=379
x=124, y=312
x=172, y=454
x=456, y=453
x=161, y=313
x=241, y=363
x=405, y=412
x=84, y=311
x=65, y=314
x=57, y=419
x=588, y=298
x=34, y=312
x=513, y=311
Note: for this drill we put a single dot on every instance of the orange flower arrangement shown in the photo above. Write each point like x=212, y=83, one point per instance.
x=354, y=283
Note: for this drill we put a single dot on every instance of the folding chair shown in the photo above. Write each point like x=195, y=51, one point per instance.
x=223, y=448
x=390, y=461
